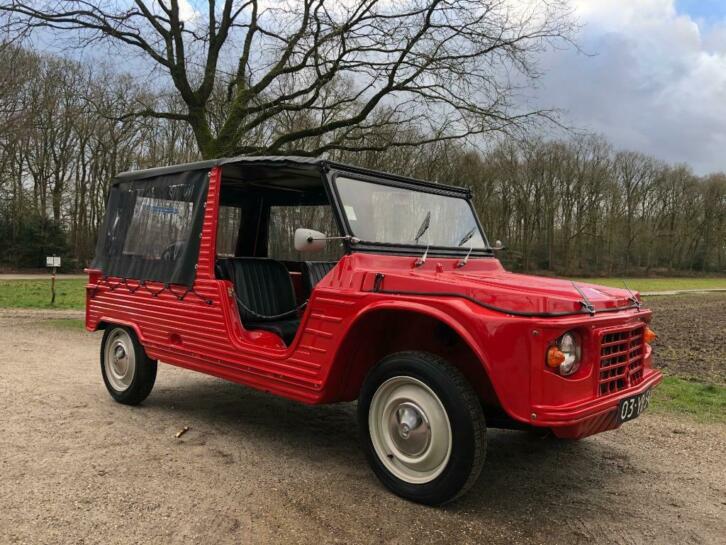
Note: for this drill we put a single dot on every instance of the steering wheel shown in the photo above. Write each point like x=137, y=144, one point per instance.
x=172, y=251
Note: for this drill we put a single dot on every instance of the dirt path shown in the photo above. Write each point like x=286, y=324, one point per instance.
x=692, y=335
x=40, y=314
x=78, y=468
x=681, y=292
x=41, y=276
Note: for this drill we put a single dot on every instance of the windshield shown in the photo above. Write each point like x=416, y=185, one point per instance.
x=394, y=215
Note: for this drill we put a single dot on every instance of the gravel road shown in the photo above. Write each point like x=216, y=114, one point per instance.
x=78, y=468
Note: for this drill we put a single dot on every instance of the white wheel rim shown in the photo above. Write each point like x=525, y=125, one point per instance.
x=410, y=430
x=119, y=360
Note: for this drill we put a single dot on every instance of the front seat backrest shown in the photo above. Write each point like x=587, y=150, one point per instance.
x=261, y=284
x=314, y=271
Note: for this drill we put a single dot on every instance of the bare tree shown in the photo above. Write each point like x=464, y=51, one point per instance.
x=571, y=207
x=312, y=76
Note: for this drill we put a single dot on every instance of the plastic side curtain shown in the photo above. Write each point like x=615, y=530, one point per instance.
x=152, y=228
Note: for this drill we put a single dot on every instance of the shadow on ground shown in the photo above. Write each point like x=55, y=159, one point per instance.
x=525, y=473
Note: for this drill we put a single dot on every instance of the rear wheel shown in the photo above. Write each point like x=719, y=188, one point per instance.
x=128, y=373
x=425, y=435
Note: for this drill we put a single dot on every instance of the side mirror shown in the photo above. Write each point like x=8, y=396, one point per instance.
x=498, y=246
x=309, y=240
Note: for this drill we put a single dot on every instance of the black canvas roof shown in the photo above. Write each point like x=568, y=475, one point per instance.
x=210, y=163
x=280, y=160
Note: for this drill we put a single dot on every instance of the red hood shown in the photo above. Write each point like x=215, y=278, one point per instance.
x=538, y=293
x=486, y=280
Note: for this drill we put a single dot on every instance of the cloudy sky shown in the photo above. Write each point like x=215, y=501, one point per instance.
x=654, y=78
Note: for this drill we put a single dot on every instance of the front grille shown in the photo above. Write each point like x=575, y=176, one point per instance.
x=621, y=358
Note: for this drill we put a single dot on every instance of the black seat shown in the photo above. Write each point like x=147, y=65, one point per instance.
x=314, y=271
x=264, y=294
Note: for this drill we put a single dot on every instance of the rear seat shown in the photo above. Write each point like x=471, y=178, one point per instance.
x=264, y=286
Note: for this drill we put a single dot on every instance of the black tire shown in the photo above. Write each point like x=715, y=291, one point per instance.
x=140, y=381
x=466, y=426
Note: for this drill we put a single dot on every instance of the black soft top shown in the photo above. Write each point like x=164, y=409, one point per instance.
x=299, y=162
x=210, y=163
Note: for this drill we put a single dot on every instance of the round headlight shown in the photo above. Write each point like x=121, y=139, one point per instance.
x=569, y=345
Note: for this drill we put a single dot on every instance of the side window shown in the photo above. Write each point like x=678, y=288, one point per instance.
x=228, y=230
x=285, y=219
x=152, y=226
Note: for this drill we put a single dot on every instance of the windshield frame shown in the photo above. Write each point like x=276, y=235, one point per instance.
x=413, y=185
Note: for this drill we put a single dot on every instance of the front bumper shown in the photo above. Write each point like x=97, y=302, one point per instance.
x=577, y=420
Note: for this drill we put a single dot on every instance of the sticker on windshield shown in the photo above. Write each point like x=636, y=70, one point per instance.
x=350, y=212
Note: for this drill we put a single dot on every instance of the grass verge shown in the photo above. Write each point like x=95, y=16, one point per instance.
x=70, y=294
x=659, y=284
x=702, y=402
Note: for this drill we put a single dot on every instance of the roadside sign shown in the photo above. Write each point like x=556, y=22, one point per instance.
x=53, y=262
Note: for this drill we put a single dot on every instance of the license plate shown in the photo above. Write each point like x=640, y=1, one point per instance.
x=632, y=407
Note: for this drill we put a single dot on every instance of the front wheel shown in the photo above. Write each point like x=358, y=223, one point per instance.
x=128, y=373
x=424, y=430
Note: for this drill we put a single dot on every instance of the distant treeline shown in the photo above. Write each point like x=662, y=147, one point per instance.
x=579, y=207
x=570, y=207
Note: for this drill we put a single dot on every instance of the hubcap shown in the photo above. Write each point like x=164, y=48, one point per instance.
x=119, y=360
x=410, y=430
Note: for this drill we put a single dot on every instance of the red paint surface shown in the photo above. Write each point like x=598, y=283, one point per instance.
x=210, y=338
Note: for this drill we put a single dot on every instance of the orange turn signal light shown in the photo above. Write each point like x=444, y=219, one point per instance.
x=555, y=357
x=649, y=335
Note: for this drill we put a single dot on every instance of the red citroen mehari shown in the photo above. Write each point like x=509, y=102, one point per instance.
x=405, y=308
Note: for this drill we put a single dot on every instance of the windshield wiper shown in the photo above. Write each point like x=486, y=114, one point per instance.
x=467, y=237
x=424, y=227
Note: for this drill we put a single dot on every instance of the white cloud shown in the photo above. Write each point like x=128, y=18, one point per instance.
x=186, y=11
x=656, y=82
